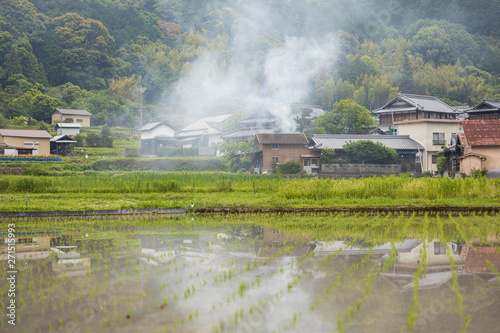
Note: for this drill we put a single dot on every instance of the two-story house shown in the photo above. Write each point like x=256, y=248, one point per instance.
x=275, y=148
x=426, y=119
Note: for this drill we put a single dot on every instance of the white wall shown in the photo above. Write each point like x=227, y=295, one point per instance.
x=422, y=130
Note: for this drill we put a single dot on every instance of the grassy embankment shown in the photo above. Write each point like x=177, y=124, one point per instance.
x=127, y=190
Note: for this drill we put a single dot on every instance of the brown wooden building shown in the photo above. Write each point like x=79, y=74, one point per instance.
x=487, y=109
x=407, y=107
x=276, y=148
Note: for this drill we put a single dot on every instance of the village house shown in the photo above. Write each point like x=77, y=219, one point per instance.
x=407, y=149
x=206, y=133
x=70, y=129
x=409, y=107
x=425, y=119
x=156, y=135
x=81, y=117
x=37, y=141
x=478, y=147
x=487, y=109
x=279, y=148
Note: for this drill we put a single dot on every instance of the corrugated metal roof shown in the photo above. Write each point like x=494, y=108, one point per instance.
x=420, y=102
x=337, y=141
x=68, y=125
x=67, y=139
x=482, y=132
x=74, y=112
x=282, y=138
x=25, y=133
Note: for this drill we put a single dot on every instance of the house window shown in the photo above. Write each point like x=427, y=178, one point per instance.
x=426, y=115
x=275, y=159
x=438, y=139
x=434, y=159
x=311, y=162
x=439, y=248
x=453, y=136
x=275, y=146
x=79, y=120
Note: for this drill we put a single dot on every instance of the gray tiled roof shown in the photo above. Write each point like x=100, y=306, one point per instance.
x=282, y=138
x=337, y=141
x=485, y=106
x=151, y=126
x=74, y=112
x=247, y=132
x=417, y=102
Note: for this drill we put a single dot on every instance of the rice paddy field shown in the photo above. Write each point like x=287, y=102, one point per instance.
x=134, y=190
x=254, y=273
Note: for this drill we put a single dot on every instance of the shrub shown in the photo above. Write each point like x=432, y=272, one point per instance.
x=290, y=168
x=476, y=173
x=366, y=151
x=327, y=155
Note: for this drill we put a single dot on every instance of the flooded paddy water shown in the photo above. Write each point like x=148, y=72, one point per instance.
x=255, y=273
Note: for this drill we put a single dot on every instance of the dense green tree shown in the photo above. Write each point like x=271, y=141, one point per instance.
x=434, y=43
x=366, y=151
x=347, y=117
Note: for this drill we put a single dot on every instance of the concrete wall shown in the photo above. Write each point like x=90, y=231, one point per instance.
x=349, y=170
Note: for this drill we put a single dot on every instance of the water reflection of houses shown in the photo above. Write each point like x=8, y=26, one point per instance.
x=408, y=259
x=275, y=243
x=28, y=246
x=483, y=260
x=68, y=261
x=202, y=250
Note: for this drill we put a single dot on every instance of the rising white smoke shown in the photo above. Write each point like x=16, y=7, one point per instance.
x=283, y=76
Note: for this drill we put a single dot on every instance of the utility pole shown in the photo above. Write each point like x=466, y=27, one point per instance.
x=140, y=102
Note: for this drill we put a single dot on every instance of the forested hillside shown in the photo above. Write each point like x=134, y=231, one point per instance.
x=201, y=57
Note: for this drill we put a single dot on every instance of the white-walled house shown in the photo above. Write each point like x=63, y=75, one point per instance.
x=155, y=136
x=431, y=134
x=70, y=129
x=206, y=133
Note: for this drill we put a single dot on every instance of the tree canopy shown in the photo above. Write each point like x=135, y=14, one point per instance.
x=347, y=117
x=95, y=54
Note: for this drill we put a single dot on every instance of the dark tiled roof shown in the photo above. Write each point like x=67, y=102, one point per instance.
x=282, y=138
x=485, y=106
x=417, y=102
x=74, y=112
x=337, y=141
x=482, y=132
x=25, y=133
x=477, y=256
